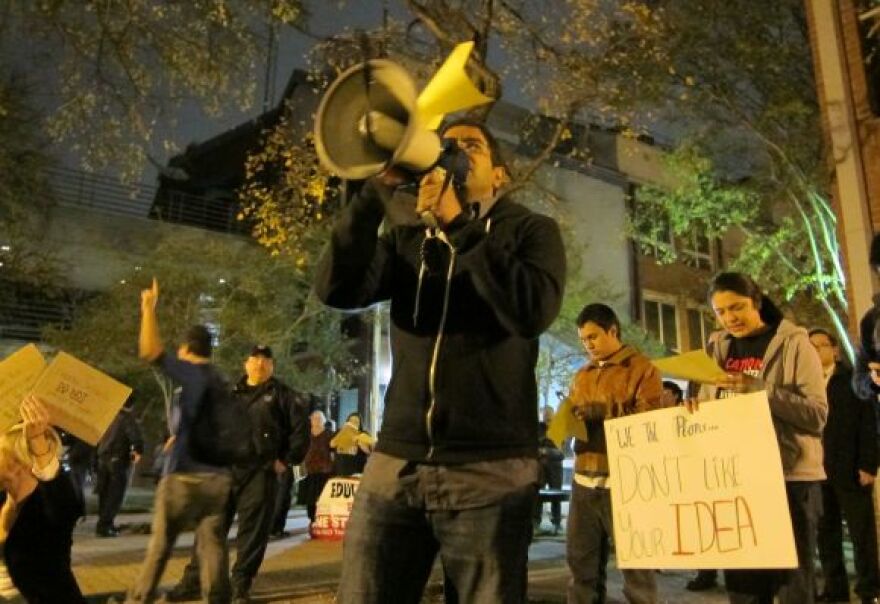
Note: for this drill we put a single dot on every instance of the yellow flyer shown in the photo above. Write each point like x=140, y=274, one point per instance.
x=18, y=374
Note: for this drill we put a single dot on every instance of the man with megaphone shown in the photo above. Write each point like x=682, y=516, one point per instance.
x=455, y=467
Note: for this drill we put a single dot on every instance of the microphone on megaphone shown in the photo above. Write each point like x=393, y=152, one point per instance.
x=371, y=119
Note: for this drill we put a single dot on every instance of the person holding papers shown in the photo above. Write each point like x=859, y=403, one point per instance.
x=616, y=381
x=39, y=510
x=760, y=350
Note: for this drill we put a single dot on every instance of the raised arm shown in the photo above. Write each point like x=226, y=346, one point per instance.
x=149, y=342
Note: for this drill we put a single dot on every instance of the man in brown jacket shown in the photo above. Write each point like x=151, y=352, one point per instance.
x=617, y=380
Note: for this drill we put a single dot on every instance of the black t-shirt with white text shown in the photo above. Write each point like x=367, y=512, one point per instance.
x=746, y=355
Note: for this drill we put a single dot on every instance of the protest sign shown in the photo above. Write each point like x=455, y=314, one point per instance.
x=81, y=399
x=18, y=374
x=334, y=508
x=699, y=490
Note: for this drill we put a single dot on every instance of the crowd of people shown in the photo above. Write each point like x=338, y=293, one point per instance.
x=456, y=470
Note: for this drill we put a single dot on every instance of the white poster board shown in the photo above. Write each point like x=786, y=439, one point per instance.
x=701, y=490
x=334, y=508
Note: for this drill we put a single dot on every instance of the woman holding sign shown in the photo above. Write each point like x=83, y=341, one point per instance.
x=40, y=510
x=760, y=350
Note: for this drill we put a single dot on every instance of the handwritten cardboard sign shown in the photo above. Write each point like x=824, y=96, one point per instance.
x=701, y=490
x=81, y=399
x=18, y=374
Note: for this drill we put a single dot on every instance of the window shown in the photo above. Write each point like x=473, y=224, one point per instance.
x=700, y=325
x=663, y=241
x=696, y=250
x=661, y=321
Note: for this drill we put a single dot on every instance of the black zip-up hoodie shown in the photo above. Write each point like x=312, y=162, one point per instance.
x=472, y=314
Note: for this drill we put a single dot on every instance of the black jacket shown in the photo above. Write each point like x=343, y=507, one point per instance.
x=280, y=420
x=849, y=439
x=508, y=275
x=122, y=437
x=37, y=549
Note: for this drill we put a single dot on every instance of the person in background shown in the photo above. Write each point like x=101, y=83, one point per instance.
x=617, y=380
x=758, y=349
x=672, y=394
x=121, y=446
x=351, y=446
x=866, y=372
x=550, y=476
x=850, y=448
x=39, y=510
x=191, y=493
x=79, y=457
x=280, y=437
x=317, y=465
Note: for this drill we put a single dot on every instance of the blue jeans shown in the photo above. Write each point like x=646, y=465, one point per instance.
x=588, y=535
x=391, y=543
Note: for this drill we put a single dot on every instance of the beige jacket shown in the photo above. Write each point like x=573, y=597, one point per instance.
x=795, y=385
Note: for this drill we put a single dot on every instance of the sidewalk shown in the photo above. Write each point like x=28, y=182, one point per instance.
x=304, y=571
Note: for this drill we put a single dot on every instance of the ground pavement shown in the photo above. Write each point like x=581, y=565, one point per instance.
x=300, y=570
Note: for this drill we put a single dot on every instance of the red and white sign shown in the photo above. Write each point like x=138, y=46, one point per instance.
x=334, y=508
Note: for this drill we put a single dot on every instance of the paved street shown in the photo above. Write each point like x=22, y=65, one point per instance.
x=300, y=570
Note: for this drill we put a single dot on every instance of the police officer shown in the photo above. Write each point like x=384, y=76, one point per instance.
x=121, y=445
x=281, y=435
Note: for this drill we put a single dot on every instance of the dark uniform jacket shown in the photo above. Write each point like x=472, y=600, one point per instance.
x=849, y=439
x=122, y=437
x=279, y=417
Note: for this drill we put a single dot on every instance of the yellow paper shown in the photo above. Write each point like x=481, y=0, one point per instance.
x=699, y=490
x=81, y=399
x=564, y=425
x=694, y=366
x=18, y=374
x=449, y=90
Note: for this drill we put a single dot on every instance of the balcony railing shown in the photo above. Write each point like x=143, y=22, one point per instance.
x=77, y=189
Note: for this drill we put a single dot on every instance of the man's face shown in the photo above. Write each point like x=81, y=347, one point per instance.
x=482, y=181
x=317, y=422
x=826, y=349
x=258, y=369
x=598, y=343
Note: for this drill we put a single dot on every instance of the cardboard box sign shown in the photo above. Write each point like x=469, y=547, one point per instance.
x=699, y=490
x=81, y=399
x=18, y=374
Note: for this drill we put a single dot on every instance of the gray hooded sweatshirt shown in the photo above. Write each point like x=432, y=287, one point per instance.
x=793, y=379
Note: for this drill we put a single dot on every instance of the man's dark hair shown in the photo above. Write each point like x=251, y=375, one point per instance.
x=600, y=314
x=874, y=257
x=494, y=147
x=743, y=285
x=675, y=388
x=199, y=341
x=821, y=331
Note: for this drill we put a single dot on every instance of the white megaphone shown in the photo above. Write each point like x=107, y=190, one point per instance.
x=371, y=118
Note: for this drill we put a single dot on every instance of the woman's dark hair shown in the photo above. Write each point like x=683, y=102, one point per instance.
x=355, y=414
x=600, y=314
x=199, y=341
x=744, y=285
